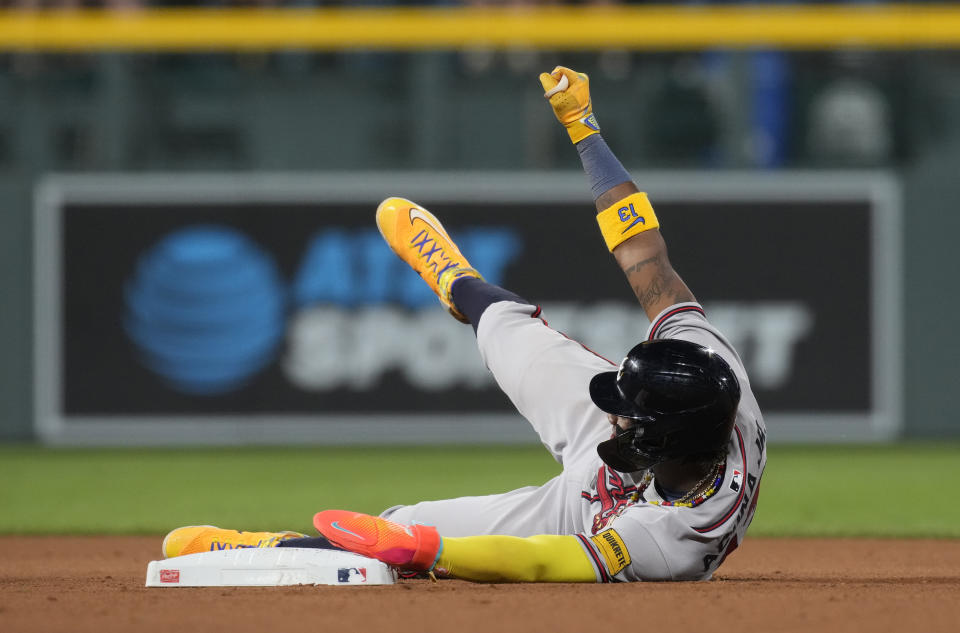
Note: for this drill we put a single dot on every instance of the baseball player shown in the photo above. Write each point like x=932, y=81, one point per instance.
x=662, y=456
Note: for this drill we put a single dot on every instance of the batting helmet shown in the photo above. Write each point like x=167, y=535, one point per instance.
x=682, y=396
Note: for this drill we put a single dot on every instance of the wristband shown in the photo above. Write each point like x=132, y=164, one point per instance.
x=582, y=128
x=626, y=218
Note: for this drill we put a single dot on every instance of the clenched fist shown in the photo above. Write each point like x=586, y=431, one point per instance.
x=569, y=94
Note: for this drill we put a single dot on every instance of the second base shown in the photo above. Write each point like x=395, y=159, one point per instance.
x=268, y=567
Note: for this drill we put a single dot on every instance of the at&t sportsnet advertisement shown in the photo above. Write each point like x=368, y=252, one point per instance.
x=254, y=313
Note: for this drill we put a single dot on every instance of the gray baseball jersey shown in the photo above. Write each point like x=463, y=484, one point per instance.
x=628, y=530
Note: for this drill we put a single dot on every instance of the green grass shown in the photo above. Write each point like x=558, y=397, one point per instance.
x=904, y=490
x=896, y=491
x=149, y=491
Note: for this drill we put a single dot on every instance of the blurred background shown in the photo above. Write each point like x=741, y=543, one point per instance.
x=187, y=252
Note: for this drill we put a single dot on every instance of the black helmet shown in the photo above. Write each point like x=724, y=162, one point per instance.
x=683, y=397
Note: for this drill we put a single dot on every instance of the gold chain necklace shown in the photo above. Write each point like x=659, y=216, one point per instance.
x=709, y=477
x=693, y=497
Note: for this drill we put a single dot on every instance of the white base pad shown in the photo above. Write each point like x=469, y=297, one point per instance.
x=268, y=567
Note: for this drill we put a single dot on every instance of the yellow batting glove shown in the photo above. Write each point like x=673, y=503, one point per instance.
x=569, y=94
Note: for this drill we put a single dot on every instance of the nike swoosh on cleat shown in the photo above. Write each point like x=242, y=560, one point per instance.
x=336, y=525
x=415, y=213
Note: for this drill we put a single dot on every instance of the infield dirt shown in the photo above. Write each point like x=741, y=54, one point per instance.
x=95, y=584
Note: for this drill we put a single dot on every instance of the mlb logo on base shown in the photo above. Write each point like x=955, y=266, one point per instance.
x=352, y=575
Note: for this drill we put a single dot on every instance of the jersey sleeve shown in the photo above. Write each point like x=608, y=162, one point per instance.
x=688, y=321
x=646, y=543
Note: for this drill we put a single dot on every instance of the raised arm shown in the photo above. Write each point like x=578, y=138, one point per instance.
x=626, y=218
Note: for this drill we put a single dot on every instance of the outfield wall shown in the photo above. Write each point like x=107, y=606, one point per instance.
x=928, y=365
x=217, y=309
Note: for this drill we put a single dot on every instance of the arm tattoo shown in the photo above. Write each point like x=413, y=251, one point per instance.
x=653, y=286
x=629, y=270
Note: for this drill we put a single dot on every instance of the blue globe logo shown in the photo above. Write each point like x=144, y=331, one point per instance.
x=205, y=309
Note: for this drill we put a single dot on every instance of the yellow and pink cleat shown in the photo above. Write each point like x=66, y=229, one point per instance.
x=194, y=539
x=408, y=547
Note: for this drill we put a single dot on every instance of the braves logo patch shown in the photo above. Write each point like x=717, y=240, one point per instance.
x=614, y=495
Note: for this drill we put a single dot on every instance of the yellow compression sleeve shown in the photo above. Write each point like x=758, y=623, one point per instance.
x=544, y=558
